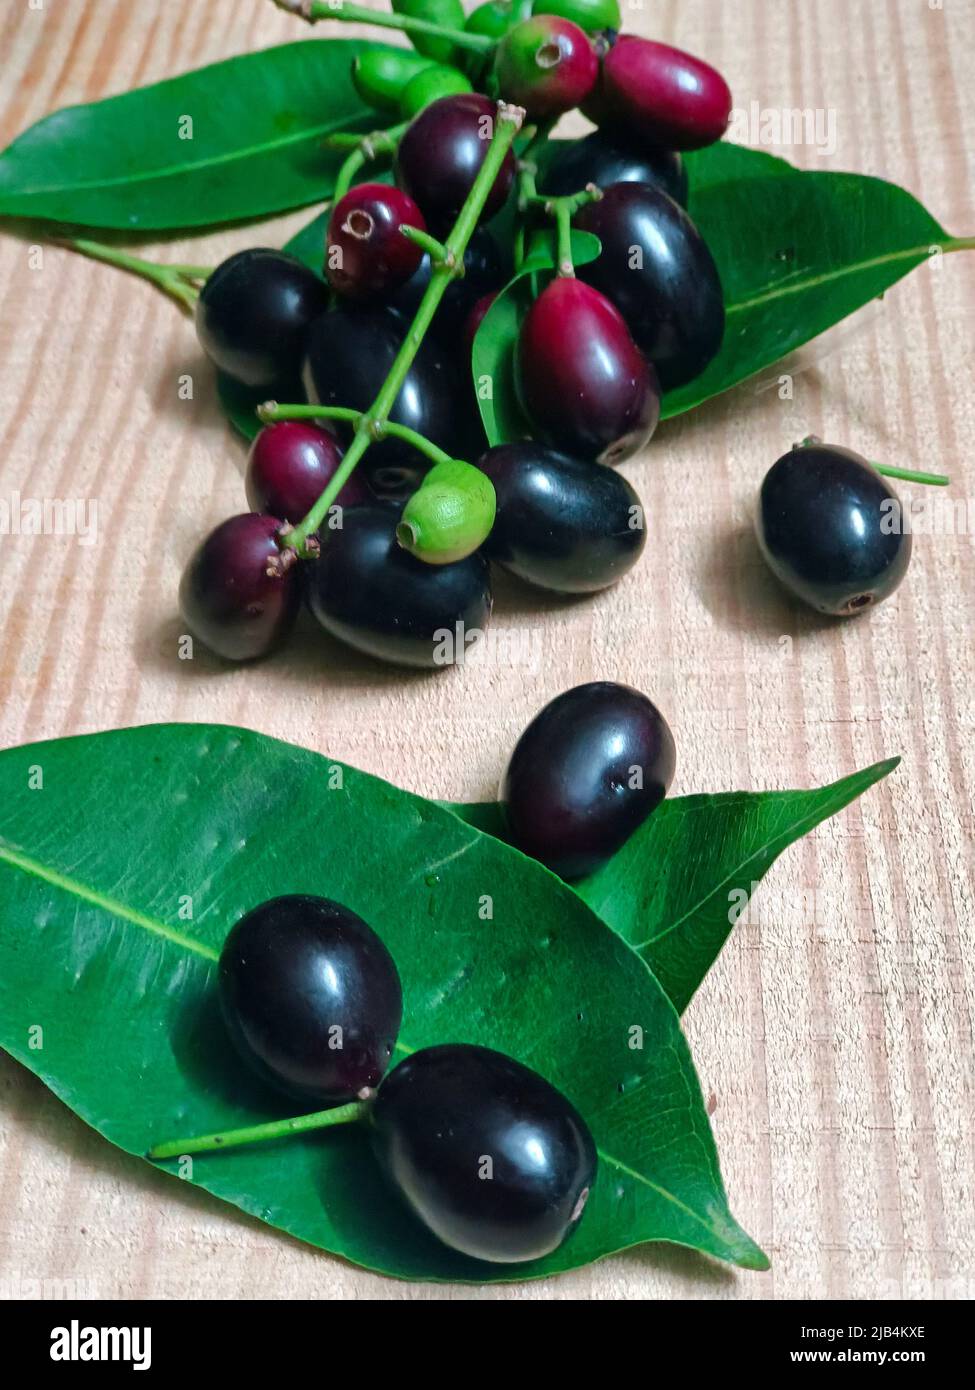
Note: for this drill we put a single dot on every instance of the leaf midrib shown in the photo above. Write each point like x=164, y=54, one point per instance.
x=826, y=277
x=31, y=866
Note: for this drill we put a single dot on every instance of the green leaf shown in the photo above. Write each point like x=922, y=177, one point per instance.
x=493, y=353
x=797, y=254
x=258, y=126
x=98, y=949
x=239, y=404
x=676, y=888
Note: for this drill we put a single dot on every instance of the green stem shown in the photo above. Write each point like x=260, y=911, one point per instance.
x=271, y=411
x=563, y=222
x=373, y=422
x=173, y=279
x=909, y=475
x=313, y=10
x=366, y=149
x=436, y=249
x=251, y=1134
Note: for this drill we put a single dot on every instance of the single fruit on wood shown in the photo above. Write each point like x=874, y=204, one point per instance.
x=656, y=268
x=369, y=592
x=561, y=523
x=494, y=1160
x=831, y=529
x=235, y=595
x=311, y=998
x=253, y=316
x=588, y=770
x=659, y=94
x=581, y=378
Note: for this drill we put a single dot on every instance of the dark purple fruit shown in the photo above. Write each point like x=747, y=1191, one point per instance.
x=659, y=94
x=476, y=317
x=656, y=268
x=605, y=158
x=350, y=353
x=493, y=1160
x=561, y=523
x=581, y=377
x=588, y=770
x=547, y=65
x=484, y=271
x=253, y=315
x=369, y=592
x=366, y=254
x=831, y=529
x=440, y=155
x=311, y=998
x=288, y=467
x=234, y=595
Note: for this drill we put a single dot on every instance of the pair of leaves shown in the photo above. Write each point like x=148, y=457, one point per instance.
x=238, y=139
x=122, y=873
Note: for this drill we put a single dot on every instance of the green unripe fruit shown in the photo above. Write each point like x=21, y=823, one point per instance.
x=450, y=515
x=590, y=15
x=438, y=80
x=494, y=18
x=379, y=75
x=449, y=13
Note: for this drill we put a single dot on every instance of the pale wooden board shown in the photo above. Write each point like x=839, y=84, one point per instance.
x=838, y=1052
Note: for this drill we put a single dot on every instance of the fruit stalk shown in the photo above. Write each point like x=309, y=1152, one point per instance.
x=887, y=470
x=179, y=281
x=252, y=1134
x=271, y=411
x=373, y=424
x=314, y=10
x=365, y=149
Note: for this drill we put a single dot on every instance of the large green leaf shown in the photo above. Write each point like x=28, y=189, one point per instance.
x=134, y=830
x=678, y=885
x=255, y=144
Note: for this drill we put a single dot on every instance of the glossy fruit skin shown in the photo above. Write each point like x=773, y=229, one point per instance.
x=581, y=377
x=367, y=591
x=484, y=271
x=608, y=157
x=226, y=596
x=829, y=527
x=547, y=65
x=671, y=298
x=380, y=75
x=366, y=254
x=567, y=791
x=591, y=15
x=659, y=94
x=253, y=315
x=445, y=1110
x=438, y=80
x=311, y=998
x=350, y=352
x=562, y=524
x=289, y=466
x=440, y=155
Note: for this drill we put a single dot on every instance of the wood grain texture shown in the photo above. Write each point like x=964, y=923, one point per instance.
x=835, y=1035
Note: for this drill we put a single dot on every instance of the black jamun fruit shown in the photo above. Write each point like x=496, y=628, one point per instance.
x=494, y=1160
x=311, y=998
x=562, y=524
x=369, y=592
x=588, y=770
x=441, y=153
x=608, y=157
x=831, y=529
x=253, y=315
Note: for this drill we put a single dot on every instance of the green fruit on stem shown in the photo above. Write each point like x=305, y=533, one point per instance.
x=450, y=515
x=449, y=13
x=380, y=75
x=438, y=80
x=590, y=15
x=493, y=19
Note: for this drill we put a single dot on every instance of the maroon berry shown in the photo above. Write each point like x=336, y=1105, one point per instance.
x=659, y=94
x=289, y=466
x=581, y=377
x=235, y=594
x=366, y=254
x=440, y=155
x=476, y=317
x=547, y=65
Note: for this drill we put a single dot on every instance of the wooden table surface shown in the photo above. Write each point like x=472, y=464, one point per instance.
x=834, y=1036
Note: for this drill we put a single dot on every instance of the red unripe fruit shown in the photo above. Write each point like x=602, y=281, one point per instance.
x=289, y=466
x=581, y=377
x=366, y=254
x=660, y=95
x=547, y=65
